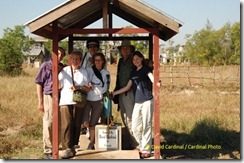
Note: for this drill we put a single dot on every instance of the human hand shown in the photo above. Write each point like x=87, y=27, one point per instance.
x=90, y=60
x=112, y=94
x=90, y=86
x=72, y=88
x=41, y=107
x=159, y=83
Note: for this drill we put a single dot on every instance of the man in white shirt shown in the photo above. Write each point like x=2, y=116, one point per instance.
x=92, y=46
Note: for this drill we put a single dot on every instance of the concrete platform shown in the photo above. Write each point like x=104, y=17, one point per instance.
x=83, y=153
x=117, y=154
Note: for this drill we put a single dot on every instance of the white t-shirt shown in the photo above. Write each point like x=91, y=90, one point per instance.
x=65, y=78
x=99, y=89
x=86, y=62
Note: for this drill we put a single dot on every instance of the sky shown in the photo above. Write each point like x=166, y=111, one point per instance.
x=192, y=14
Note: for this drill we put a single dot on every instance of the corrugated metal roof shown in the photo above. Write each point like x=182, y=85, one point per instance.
x=82, y=13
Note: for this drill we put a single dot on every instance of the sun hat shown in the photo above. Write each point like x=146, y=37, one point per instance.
x=92, y=42
x=126, y=43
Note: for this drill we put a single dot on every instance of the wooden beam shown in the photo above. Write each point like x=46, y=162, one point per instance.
x=107, y=31
x=55, y=14
x=55, y=123
x=113, y=38
x=146, y=11
x=150, y=47
x=105, y=14
x=110, y=19
x=70, y=48
x=156, y=95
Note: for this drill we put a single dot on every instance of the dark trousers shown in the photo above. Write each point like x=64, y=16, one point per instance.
x=92, y=112
x=71, y=118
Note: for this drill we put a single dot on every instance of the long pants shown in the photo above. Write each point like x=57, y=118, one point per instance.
x=126, y=105
x=47, y=121
x=71, y=118
x=92, y=113
x=142, y=125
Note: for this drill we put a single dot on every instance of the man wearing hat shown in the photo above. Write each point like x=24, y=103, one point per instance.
x=126, y=100
x=92, y=46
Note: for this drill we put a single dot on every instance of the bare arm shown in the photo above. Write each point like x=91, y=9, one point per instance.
x=124, y=89
x=40, y=97
x=151, y=77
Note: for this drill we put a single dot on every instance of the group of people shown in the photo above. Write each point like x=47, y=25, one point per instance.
x=88, y=73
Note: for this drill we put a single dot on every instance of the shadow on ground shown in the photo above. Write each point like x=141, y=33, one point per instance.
x=206, y=141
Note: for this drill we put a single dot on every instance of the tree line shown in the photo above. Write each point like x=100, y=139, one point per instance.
x=205, y=47
x=214, y=47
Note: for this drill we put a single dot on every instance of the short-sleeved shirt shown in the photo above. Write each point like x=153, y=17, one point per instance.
x=99, y=89
x=65, y=78
x=44, y=77
x=124, y=73
x=85, y=63
x=142, y=85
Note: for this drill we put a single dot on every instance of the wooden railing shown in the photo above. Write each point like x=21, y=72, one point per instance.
x=199, y=75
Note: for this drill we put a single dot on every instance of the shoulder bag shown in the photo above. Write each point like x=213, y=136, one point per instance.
x=79, y=96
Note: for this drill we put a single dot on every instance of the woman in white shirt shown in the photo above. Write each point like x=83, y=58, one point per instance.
x=98, y=77
x=70, y=112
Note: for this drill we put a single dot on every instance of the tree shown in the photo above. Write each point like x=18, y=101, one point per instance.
x=171, y=49
x=214, y=47
x=235, y=35
x=12, y=47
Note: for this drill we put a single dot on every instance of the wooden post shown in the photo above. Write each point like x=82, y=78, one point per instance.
x=171, y=77
x=201, y=75
x=156, y=94
x=188, y=72
x=110, y=21
x=105, y=14
x=70, y=48
x=150, y=46
x=214, y=74
x=55, y=97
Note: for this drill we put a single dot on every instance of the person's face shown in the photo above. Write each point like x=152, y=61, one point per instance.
x=76, y=60
x=137, y=61
x=93, y=49
x=98, y=62
x=60, y=55
x=125, y=51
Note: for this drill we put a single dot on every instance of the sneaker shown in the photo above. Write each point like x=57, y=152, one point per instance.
x=90, y=146
x=145, y=155
x=76, y=146
x=68, y=153
x=73, y=150
x=48, y=156
x=83, y=131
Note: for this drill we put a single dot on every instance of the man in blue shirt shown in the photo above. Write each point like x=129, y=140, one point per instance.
x=44, y=92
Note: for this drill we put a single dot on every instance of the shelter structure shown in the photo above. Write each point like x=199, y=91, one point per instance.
x=38, y=53
x=73, y=16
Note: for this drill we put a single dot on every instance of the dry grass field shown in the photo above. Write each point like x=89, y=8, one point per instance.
x=202, y=118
